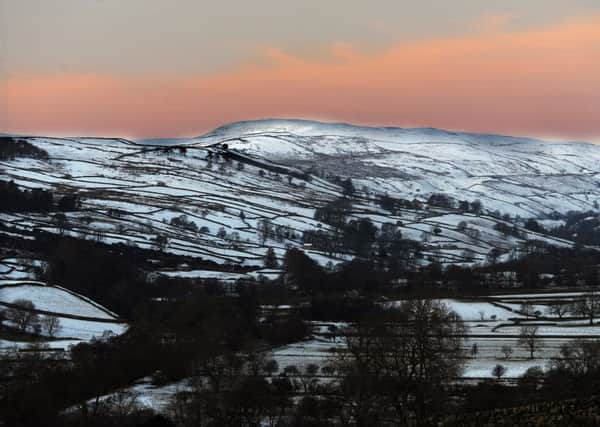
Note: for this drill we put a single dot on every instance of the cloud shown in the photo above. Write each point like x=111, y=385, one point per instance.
x=535, y=82
x=493, y=22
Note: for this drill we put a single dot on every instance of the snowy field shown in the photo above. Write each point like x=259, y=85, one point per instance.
x=132, y=194
x=54, y=299
x=520, y=176
x=490, y=327
x=80, y=318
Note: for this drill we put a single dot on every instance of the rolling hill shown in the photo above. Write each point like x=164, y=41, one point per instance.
x=519, y=176
x=227, y=204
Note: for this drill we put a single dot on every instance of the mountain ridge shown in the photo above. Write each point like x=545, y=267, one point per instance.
x=415, y=163
x=280, y=124
x=228, y=206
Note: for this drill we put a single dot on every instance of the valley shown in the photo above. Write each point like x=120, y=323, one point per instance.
x=277, y=242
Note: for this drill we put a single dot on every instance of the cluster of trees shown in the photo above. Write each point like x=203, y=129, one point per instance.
x=573, y=372
x=398, y=363
x=444, y=201
x=532, y=225
x=14, y=199
x=581, y=227
x=356, y=236
x=346, y=184
x=474, y=207
x=508, y=230
x=392, y=204
x=170, y=339
x=567, y=266
x=11, y=148
x=464, y=228
x=334, y=213
x=278, y=232
x=183, y=222
x=21, y=314
x=360, y=237
x=105, y=275
x=397, y=366
x=303, y=274
x=587, y=306
x=392, y=259
x=270, y=260
x=234, y=390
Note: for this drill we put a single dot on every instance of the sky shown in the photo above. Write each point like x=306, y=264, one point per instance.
x=177, y=68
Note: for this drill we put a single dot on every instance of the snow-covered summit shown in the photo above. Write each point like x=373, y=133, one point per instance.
x=316, y=128
x=519, y=176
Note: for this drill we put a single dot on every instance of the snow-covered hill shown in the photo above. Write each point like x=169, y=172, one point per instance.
x=200, y=200
x=80, y=318
x=519, y=176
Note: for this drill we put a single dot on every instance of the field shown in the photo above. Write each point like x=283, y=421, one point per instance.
x=226, y=208
x=80, y=318
x=493, y=323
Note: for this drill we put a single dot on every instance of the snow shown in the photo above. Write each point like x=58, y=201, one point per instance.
x=203, y=274
x=67, y=307
x=151, y=188
x=546, y=295
x=516, y=175
x=471, y=311
x=87, y=330
x=54, y=299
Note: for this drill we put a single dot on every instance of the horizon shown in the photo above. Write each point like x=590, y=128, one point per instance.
x=542, y=138
x=102, y=68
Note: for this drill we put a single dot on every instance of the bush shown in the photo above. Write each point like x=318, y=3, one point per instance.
x=13, y=199
x=11, y=148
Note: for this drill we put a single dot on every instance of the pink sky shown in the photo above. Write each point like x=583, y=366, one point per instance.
x=541, y=81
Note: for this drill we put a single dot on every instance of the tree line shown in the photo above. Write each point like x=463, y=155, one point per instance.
x=15, y=199
x=11, y=148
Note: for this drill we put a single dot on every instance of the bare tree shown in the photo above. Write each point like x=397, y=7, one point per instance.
x=529, y=339
x=527, y=309
x=558, y=309
x=270, y=259
x=532, y=378
x=123, y=403
x=401, y=359
x=265, y=229
x=22, y=314
x=498, y=371
x=578, y=357
x=161, y=241
x=51, y=325
x=309, y=380
x=493, y=256
x=588, y=306
x=507, y=351
x=61, y=221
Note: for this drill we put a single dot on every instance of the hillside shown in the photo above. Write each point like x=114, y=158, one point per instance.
x=519, y=176
x=143, y=253
x=226, y=207
x=78, y=317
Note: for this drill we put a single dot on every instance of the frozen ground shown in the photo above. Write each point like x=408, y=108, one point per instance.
x=133, y=193
x=53, y=299
x=489, y=328
x=520, y=176
x=81, y=319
